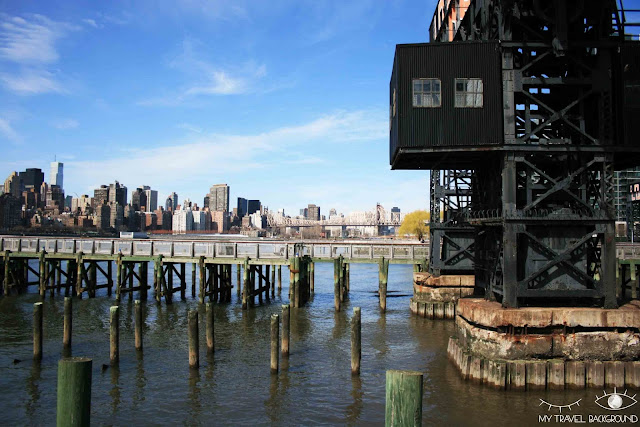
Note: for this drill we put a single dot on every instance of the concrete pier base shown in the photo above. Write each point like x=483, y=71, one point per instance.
x=546, y=347
x=435, y=297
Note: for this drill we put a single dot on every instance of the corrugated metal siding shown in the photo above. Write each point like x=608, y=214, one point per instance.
x=448, y=126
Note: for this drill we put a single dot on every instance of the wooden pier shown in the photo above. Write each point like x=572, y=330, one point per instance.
x=83, y=266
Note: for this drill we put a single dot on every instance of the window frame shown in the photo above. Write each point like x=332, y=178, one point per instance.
x=430, y=93
x=466, y=92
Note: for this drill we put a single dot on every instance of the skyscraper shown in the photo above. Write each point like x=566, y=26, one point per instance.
x=172, y=202
x=118, y=193
x=253, y=206
x=152, y=199
x=56, y=174
x=313, y=212
x=219, y=198
x=242, y=207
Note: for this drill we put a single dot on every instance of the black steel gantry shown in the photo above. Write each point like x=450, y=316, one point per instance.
x=536, y=106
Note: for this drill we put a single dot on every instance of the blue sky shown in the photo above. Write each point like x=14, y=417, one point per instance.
x=284, y=100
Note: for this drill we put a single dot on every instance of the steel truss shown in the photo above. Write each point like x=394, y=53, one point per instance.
x=452, y=242
x=543, y=208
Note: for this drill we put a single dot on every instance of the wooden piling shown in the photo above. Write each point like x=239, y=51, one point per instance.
x=79, y=274
x=110, y=278
x=238, y=280
x=403, y=398
x=137, y=313
x=203, y=273
x=536, y=375
x=614, y=374
x=336, y=284
x=383, y=274
x=272, y=282
x=285, y=330
x=574, y=374
x=93, y=279
x=555, y=375
x=114, y=336
x=194, y=340
x=193, y=279
x=312, y=274
x=347, y=273
x=37, y=331
x=66, y=335
x=209, y=332
x=42, y=272
x=296, y=280
x=275, y=332
x=279, y=278
x=183, y=281
x=118, y=276
x=245, y=284
x=341, y=278
x=74, y=392
x=594, y=374
x=6, y=272
x=356, y=343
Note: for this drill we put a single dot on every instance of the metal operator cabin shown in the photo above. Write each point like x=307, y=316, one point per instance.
x=522, y=110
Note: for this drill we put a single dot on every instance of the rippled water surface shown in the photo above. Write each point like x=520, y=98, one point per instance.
x=235, y=387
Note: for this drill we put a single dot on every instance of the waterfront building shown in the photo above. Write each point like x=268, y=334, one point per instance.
x=102, y=217
x=31, y=178
x=117, y=193
x=313, y=212
x=201, y=220
x=10, y=211
x=12, y=185
x=56, y=174
x=182, y=220
x=164, y=219
x=151, y=197
x=243, y=207
x=219, y=221
x=219, y=198
x=171, y=203
x=139, y=199
x=253, y=206
x=116, y=218
x=100, y=196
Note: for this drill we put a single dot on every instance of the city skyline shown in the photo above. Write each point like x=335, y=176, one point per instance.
x=291, y=111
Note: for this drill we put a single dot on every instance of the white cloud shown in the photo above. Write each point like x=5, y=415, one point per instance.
x=30, y=43
x=91, y=23
x=31, y=82
x=8, y=131
x=64, y=124
x=199, y=158
x=204, y=78
x=31, y=40
x=189, y=127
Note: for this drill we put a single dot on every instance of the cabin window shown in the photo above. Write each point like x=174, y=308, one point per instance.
x=469, y=93
x=426, y=93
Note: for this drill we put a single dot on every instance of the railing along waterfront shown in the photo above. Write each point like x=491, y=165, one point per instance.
x=404, y=252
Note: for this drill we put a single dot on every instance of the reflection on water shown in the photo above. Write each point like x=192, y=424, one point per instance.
x=234, y=385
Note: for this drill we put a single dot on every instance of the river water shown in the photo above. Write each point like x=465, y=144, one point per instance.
x=235, y=387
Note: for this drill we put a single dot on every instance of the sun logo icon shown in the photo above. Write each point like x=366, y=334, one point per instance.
x=615, y=401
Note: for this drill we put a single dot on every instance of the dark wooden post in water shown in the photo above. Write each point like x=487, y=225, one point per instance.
x=275, y=338
x=7, y=268
x=383, y=274
x=272, y=281
x=279, y=278
x=296, y=281
x=42, y=270
x=403, y=398
x=245, y=284
x=74, y=392
x=285, y=330
x=341, y=278
x=312, y=276
x=37, y=331
x=67, y=328
x=238, y=280
x=118, y=276
x=209, y=328
x=356, y=343
x=194, y=340
x=193, y=279
x=137, y=313
x=203, y=274
x=336, y=284
x=114, y=337
x=347, y=272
